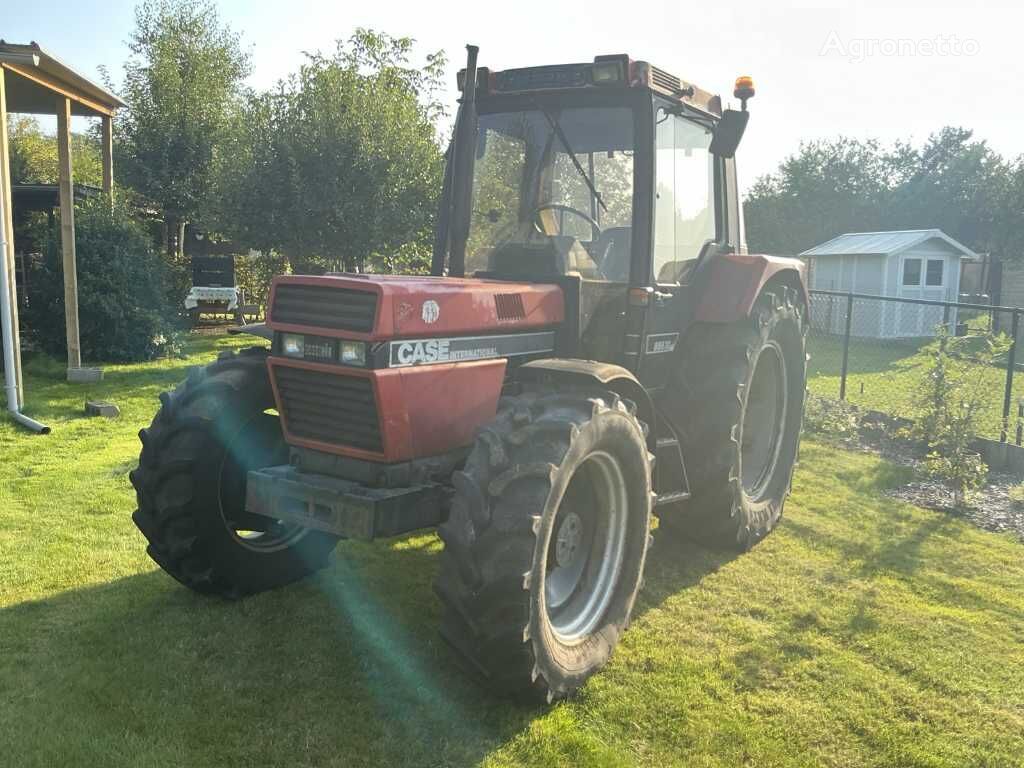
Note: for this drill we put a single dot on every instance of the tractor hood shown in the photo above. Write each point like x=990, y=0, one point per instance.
x=381, y=307
x=431, y=341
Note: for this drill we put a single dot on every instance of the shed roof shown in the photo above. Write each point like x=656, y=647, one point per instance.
x=884, y=243
x=44, y=197
x=36, y=75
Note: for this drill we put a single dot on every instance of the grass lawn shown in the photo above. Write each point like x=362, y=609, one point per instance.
x=887, y=375
x=865, y=632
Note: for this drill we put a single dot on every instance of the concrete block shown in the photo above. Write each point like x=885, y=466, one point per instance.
x=101, y=408
x=85, y=375
x=1001, y=457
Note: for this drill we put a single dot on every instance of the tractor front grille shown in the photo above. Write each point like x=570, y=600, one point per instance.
x=329, y=407
x=318, y=306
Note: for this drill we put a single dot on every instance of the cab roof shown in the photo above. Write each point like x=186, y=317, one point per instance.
x=604, y=72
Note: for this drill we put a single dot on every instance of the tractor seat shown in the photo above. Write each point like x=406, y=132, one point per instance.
x=549, y=256
x=673, y=272
x=612, y=251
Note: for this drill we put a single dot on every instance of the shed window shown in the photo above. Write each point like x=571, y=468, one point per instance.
x=912, y=272
x=934, y=274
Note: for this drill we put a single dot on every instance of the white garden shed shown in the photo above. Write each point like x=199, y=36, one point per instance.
x=909, y=264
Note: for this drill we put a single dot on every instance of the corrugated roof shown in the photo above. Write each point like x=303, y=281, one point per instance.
x=883, y=243
x=33, y=56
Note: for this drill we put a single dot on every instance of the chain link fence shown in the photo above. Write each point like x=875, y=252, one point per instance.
x=873, y=352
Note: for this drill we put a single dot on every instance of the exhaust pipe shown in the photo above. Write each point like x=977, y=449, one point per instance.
x=6, y=321
x=463, y=158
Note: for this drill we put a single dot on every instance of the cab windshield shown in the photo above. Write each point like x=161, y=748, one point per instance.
x=555, y=178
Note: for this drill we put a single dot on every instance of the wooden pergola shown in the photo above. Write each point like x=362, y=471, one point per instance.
x=34, y=82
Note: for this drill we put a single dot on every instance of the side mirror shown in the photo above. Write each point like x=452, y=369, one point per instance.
x=728, y=133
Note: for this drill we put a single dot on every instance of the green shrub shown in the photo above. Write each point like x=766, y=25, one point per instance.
x=123, y=309
x=830, y=418
x=962, y=472
x=255, y=271
x=951, y=405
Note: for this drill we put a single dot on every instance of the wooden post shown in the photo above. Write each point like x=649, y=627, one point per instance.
x=67, y=231
x=108, y=157
x=7, y=257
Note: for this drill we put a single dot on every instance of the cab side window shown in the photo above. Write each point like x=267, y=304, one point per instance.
x=684, y=208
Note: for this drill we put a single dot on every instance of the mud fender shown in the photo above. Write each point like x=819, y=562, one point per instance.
x=734, y=282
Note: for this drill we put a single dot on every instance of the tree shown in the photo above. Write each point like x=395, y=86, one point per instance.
x=951, y=404
x=340, y=164
x=953, y=182
x=34, y=154
x=1008, y=233
x=826, y=188
x=956, y=183
x=34, y=161
x=181, y=86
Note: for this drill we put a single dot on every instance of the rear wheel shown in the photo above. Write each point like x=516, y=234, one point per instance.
x=191, y=481
x=738, y=403
x=546, y=540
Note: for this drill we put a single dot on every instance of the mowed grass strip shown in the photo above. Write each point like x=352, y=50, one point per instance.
x=864, y=632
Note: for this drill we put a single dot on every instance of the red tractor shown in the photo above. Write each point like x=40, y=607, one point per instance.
x=593, y=347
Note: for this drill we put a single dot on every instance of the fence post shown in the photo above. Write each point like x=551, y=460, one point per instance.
x=846, y=345
x=1011, y=363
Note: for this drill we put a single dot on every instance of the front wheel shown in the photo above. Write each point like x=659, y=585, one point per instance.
x=546, y=540
x=190, y=484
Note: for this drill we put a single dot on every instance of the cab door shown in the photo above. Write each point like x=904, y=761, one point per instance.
x=684, y=222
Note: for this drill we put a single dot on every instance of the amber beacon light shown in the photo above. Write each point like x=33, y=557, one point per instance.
x=743, y=90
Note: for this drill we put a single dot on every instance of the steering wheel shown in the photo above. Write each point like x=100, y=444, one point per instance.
x=594, y=226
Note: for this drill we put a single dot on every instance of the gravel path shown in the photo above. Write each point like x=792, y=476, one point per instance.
x=991, y=510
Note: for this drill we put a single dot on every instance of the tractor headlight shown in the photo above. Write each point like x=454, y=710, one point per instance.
x=293, y=345
x=353, y=353
x=609, y=73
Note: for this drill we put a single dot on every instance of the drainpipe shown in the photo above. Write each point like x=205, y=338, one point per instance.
x=6, y=316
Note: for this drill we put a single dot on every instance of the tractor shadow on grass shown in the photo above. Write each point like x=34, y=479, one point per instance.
x=675, y=564
x=345, y=668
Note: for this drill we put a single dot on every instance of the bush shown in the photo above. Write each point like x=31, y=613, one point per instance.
x=830, y=418
x=124, y=314
x=255, y=271
x=963, y=472
x=951, y=405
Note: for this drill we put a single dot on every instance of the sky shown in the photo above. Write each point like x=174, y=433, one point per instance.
x=885, y=70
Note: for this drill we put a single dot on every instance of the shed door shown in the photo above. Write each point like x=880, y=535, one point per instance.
x=921, y=278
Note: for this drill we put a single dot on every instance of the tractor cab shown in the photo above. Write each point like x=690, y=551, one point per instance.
x=611, y=178
x=553, y=193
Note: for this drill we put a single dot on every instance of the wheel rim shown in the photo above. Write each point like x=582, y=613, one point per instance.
x=586, y=548
x=764, y=421
x=257, y=444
